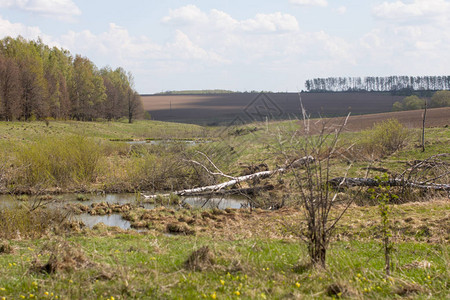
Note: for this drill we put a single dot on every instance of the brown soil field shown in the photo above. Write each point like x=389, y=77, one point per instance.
x=436, y=117
x=248, y=107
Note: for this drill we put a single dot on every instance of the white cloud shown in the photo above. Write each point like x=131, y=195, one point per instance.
x=14, y=29
x=117, y=44
x=417, y=9
x=275, y=22
x=60, y=9
x=341, y=10
x=186, y=15
x=322, y=3
x=29, y=32
x=418, y=28
x=215, y=20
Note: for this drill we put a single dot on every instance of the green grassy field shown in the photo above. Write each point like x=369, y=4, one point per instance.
x=250, y=254
x=105, y=130
x=110, y=263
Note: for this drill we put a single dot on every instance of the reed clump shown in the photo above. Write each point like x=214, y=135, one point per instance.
x=57, y=162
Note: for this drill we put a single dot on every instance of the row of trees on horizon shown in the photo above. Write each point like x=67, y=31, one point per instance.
x=39, y=82
x=378, y=84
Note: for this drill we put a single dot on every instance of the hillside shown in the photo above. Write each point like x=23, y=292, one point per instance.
x=222, y=108
x=436, y=117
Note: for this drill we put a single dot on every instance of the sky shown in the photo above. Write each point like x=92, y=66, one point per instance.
x=270, y=45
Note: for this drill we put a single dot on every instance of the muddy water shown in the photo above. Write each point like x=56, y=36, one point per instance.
x=116, y=219
x=165, y=142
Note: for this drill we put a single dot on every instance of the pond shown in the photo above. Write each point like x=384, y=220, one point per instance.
x=116, y=219
x=164, y=142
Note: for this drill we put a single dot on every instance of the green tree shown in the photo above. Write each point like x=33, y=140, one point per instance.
x=10, y=89
x=409, y=103
x=440, y=99
x=58, y=73
x=398, y=106
x=27, y=56
x=87, y=90
x=412, y=103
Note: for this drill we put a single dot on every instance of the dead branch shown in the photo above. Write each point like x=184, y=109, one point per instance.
x=218, y=187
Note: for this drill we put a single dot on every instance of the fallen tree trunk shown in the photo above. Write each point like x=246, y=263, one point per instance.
x=218, y=187
x=240, y=191
x=348, y=182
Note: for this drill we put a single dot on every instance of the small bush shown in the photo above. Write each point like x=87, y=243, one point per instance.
x=384, y=138
x=409, y=103
x=60, y=162
x=19, y=222
x=440, y=99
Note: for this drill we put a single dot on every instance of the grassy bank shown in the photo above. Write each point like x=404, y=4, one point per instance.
x=76, y=156
x=240, y=262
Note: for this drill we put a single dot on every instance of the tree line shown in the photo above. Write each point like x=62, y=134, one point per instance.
x=39, y=82
x=378, y=84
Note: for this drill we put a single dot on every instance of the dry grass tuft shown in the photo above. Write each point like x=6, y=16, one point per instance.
x=180, y=228
x=200, y=259
x=407, y=289
x=64, y=256
x=6, y=248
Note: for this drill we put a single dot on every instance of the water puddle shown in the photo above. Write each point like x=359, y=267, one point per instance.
x=164, y=142
x=109, y=220
x=115, y=219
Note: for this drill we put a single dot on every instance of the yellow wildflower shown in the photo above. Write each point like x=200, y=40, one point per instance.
x=214, y=296
x=222, y=282
x=297, y=284
x=237, y=293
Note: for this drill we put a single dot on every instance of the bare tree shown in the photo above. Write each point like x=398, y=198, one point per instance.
x=316, y=196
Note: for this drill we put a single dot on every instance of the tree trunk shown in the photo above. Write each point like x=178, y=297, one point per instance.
x=341, y=181
x=218, y=187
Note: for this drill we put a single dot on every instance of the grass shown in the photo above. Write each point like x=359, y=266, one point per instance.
x=106, y=130
x=136, y=266
x=252, y=255
x=247, y=262
x=33, y=155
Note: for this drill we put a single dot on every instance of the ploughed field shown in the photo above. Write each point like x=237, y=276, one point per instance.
x=435, y=117
x=248, y=107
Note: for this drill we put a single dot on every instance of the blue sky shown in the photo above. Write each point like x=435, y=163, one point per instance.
x=241, y=45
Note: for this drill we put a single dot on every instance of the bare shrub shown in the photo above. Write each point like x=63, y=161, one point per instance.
x=316, y=197
x=383, y=139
